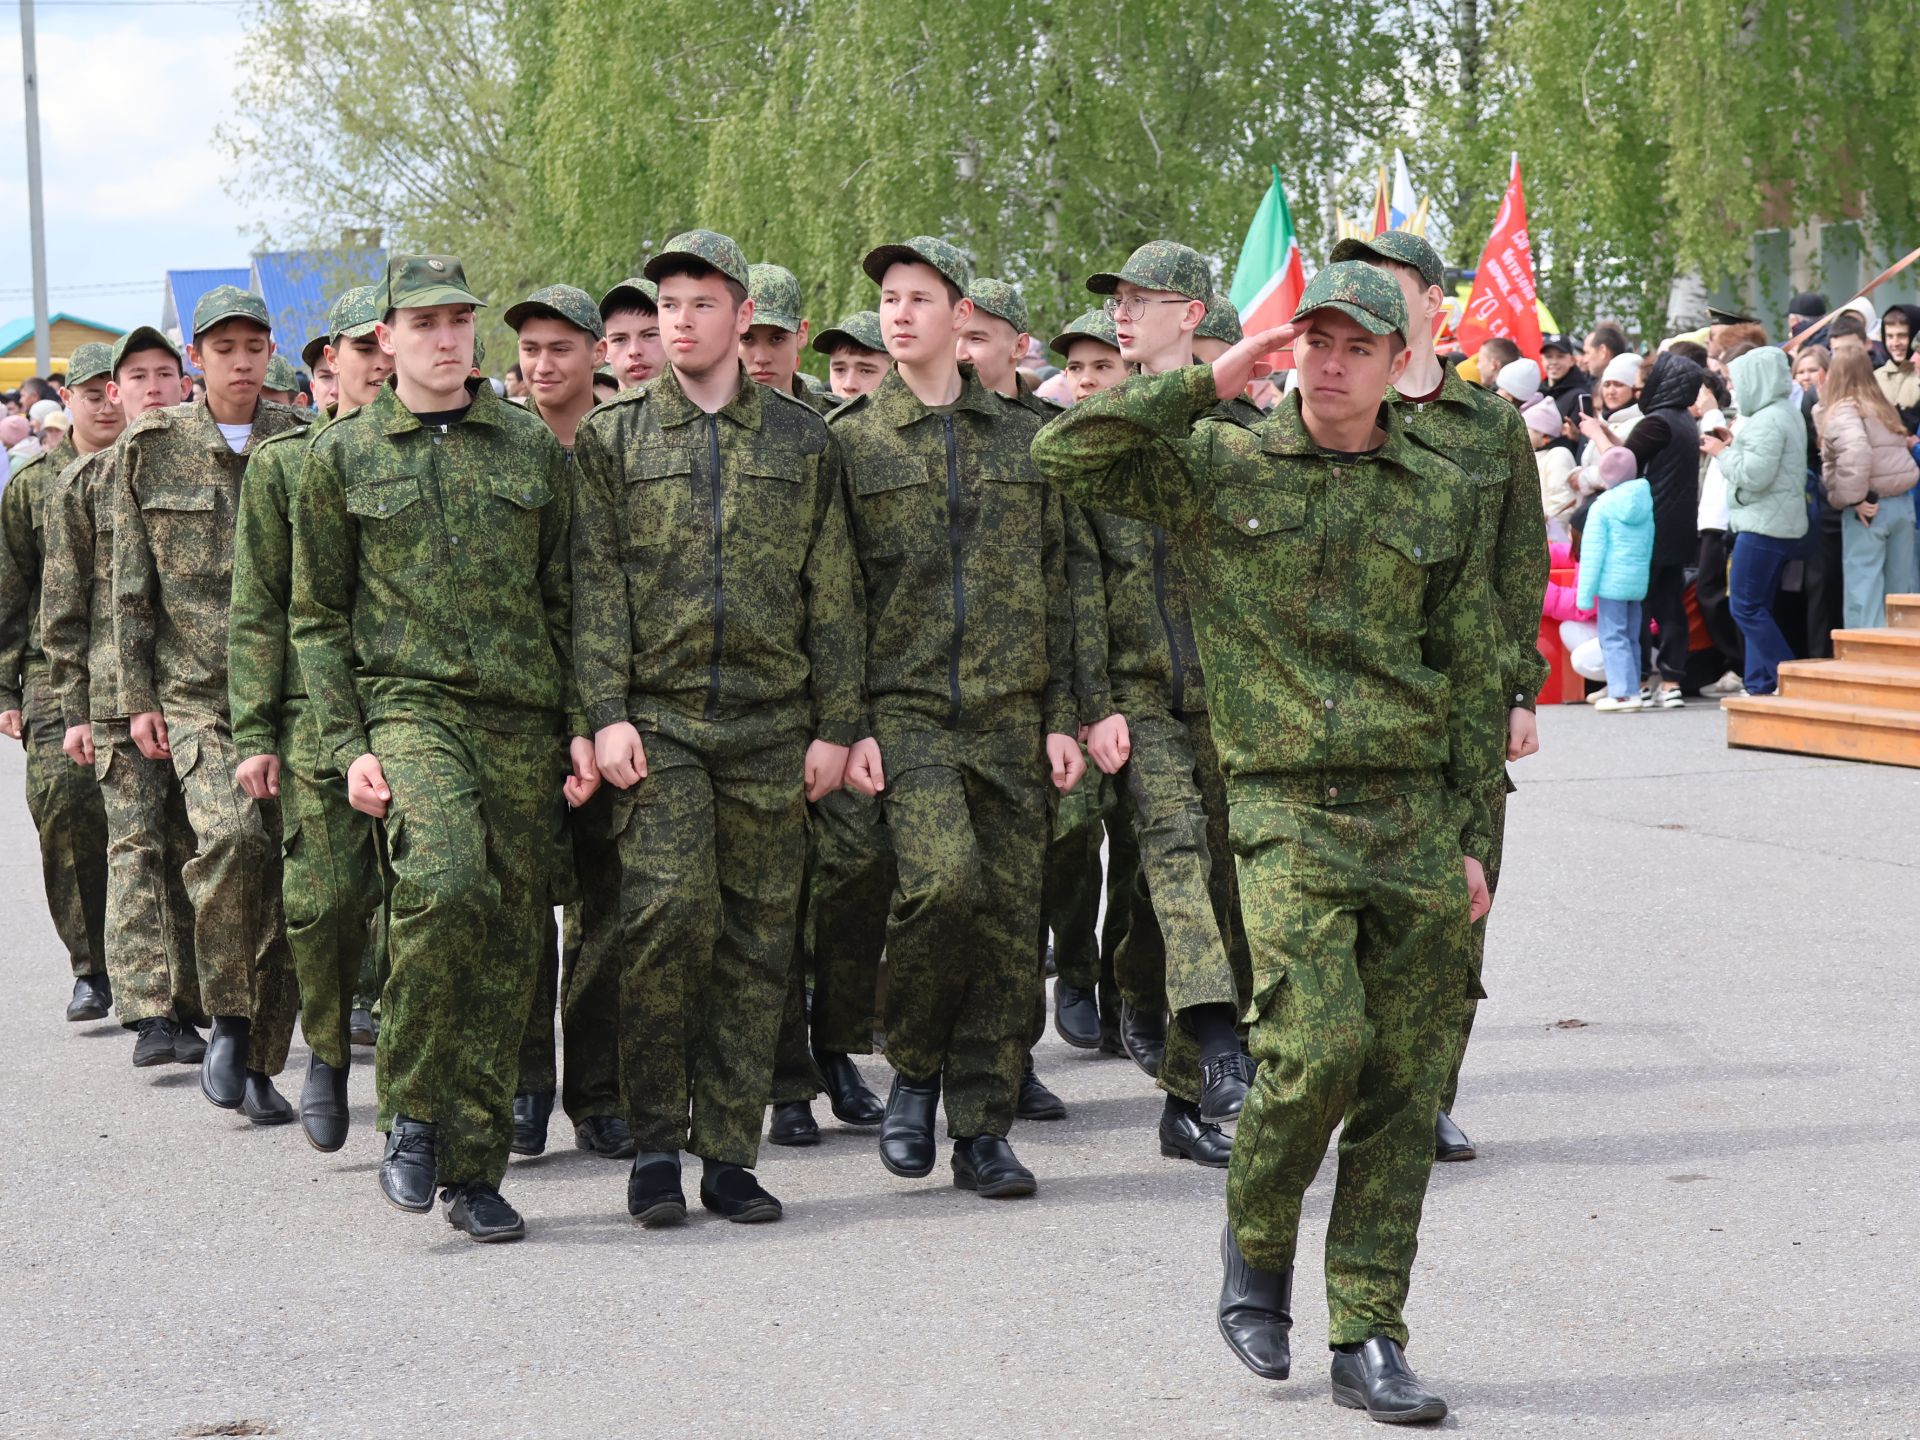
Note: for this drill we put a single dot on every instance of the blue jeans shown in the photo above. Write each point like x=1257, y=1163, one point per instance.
x=1878, y=561
x=1753, y=584
x=1619, y=622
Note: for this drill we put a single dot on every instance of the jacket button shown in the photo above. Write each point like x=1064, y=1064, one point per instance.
x=1329, y=704
x=1416, y=552
x=454, y=539
x=1253, y=522
x=1333, y=792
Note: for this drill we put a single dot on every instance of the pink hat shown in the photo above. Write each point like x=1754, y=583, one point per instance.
x=1617, y=465
x=13, y=430
x=1542, y=417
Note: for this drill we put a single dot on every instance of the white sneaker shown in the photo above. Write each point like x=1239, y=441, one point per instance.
x=1607, y=705
x=1668, y=698
x=1727, y=684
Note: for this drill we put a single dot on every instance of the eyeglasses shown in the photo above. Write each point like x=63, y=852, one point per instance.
x=1135, y=309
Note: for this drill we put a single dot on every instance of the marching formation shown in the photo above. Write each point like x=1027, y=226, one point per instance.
x=328, y=716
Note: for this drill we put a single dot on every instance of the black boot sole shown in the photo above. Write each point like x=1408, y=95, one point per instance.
x=662, y=1214
x=323, y=1149
x=1078, y=1042
x=92, y=1012
x=268, y=1117
x=620, y=1152
x=1218, y=1119
x=1445, y=1156
x=1280, y=1374
x=165, y=1057
x=426, y=1209
x=493, y=1237
x=1350, y=1399
x=215, y=1101
x=752, y=1212
x=1173, y=1150
x=795, y=1142
x=1010, y=1189
x=527, y=1147
x=918, y=1174
x=859, y=1122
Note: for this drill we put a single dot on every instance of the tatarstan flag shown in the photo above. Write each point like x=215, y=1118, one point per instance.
x=1269, y=280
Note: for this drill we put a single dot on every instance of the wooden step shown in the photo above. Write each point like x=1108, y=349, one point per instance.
x=1852, y=682
x=1823, y=727
x=1878, y=647
x=1903, y=612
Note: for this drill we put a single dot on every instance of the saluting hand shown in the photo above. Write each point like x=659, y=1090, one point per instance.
x=865, y=772
x=585, y=779
x=618, y=753
x=1233, y=370
x=367, y=789
x=1068, y=764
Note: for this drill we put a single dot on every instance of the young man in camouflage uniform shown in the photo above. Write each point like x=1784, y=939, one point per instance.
x=630, y=321
x=280, y=384
x=561, y=345
x=1484, y=436
x=771, y=347
x=432, y=618
x=176, y=495
x=1219, y=333
x=149, y=922
x=325, y=379
x=331, y=887
x=1350, y=638
x=969, y=680
x=856, y=355
x=63, y=798
x=718, y=653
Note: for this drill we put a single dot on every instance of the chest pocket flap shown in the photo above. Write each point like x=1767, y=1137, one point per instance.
x=526, y=494
x=383, y=496
x=176, y=497
x=877, y=477
x=1253, y=511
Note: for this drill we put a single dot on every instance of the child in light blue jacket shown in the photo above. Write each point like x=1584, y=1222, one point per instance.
x=1616, y=558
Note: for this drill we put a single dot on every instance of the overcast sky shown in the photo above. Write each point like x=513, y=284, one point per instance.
x=129, y=97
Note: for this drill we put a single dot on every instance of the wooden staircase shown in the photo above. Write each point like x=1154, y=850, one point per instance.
x=1864, y=704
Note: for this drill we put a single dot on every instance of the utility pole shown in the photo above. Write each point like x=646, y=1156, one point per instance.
x=36, y=211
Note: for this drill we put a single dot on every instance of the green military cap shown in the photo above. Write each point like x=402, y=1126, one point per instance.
x=1394, y=245
x=561, y=302
x=632, y=294
x=1092, y=325
x=997, y=297
x=921, y=250
x=776, y=296
x=722, y=252
x=142, y=337
x=229, y=302
x=1159, y=265
x=280, y=375
x=353, y=313
x=416, y=281
x=89, y=362
x=862, y=328
x=1222, y=322
x=1360, y=291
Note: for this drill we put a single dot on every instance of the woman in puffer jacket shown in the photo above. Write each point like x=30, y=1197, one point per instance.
x=1868, y=475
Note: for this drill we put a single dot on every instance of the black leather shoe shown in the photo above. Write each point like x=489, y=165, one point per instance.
x=1256, y=1311
x=223, y=1069
x=1076, y=1016
x=986, y=1166
x=189, y=1046
x=1376, y=1378
x=1450, y=1142
x=362, y=1029
x=478, y=1209
x=906, y=1133
x=1185, y=1136
x=1036, y=1101
x=410, y=1169
x=1145, y=1036
x=606, y=1135
x=853, y=1103
x=1224, y=1080
x=261, y=1103
x=153, y=1043
x=793, y=1124
x=654, y=1197
x=92, y=998
x=323, y=1105
x=732, y=1191
x=532, y=1110
x=1109, y=1001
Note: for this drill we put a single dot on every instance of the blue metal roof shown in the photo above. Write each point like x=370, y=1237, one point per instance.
x=299, y=286
x=14, y=332
x=184, y=289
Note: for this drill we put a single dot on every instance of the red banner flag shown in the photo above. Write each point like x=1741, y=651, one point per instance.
x=1503, y=302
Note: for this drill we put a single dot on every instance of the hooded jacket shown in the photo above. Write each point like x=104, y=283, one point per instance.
x=1616, y=548
x=1766, y=467
x=1666, y=443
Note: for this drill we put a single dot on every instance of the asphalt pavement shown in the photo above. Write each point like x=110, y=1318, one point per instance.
x=1695, y=1210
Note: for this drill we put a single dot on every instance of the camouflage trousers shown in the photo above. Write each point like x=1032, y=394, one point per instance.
x=842, y=932
x=1357, y=918
x=968, y=812
x=1187, y=929
x=64, y=800
x=581, y=977
x=712, y=845
x=149, y=920
x=472, y=836
x=1083, y=945
x=233, y=883
x=1497, y=807
x=331, y=886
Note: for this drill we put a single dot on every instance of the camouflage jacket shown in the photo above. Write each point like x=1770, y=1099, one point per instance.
x=1243, y=411
x=175, y=490
x=1347, y=631
x=1152, y=660
x=712, y=570
x=970, y=622
x=76, y=591
x=431, y=573
x=23, y=548
x=1484, y=436
x=821, y=402
x=262, y=677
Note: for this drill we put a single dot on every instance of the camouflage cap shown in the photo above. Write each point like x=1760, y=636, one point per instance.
x=862, y=328
x=631, y=294
x=142, y=337
x=416, y=281
x=229, y=302
x=89, y=362
x=1222, y=322
x=710, y=247
x=1360, y=291
x=949, y=260
x=997, y=297
x=1394, y=245
x=353, y=314
x=776, y=296
x=1092, y=325
x=280, y=375
x=559, y=302
x=1159, y=265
